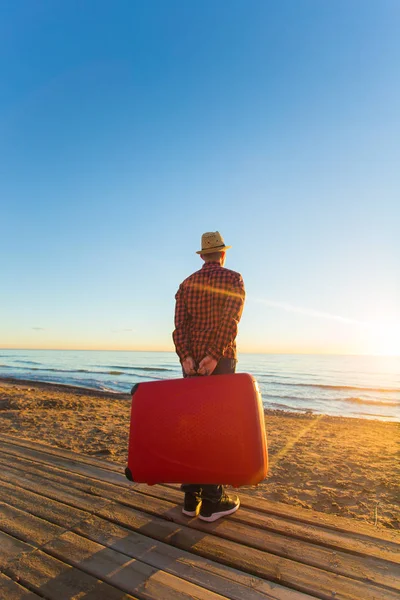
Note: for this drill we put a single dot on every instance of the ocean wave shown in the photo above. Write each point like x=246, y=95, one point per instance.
x=124, y=368
x=324, y=386
x=52, y=370
x=278, y=397
x=38, y=372
x=372, y=402
x=287, y=407
x=371, y=415
x=27, y=362
x=14, y=368
x=353, y=400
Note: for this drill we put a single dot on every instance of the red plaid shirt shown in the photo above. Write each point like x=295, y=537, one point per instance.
x=208, y=308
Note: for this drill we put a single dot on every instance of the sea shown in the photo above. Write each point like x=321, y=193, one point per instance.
x=366, y=387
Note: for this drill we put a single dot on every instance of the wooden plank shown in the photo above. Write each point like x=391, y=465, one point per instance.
x=335, y=522
x=325, y=536
x=224, y=580
x=74, y=465
x=340, y=562
x=55, y=580
x=287, y=572
x=41, y=506
x=284, y=571
x=95, y=559
x=220, y=579
x=352, y=566
x=113, y=473
x=298, y=514
x=122, y=571
x=63, y=452
x=70, y=495
x=131, y=576
x=374, y=570
x=26, y=527
x=387, y=592
x=254, y=581
x=10, y=548
x=10, y=590
x=357, y=544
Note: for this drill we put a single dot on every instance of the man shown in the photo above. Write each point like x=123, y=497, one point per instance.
x=209, y=304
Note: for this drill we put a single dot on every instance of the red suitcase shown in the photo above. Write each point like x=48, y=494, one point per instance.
x=198, y=430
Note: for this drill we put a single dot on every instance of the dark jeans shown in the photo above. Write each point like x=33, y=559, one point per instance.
x=208, y=491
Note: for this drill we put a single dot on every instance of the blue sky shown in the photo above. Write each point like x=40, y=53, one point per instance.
x=127, y=129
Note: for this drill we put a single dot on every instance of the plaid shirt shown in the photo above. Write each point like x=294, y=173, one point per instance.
x=208, y=308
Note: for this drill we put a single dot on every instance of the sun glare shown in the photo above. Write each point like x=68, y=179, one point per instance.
x=386, y=341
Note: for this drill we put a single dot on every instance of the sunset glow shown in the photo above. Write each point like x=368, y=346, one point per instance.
x=254, y=119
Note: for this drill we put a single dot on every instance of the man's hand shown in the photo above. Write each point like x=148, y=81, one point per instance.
x=189, y=366
x=207, y=365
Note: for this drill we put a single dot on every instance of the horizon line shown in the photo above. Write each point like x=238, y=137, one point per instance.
x=284, y=353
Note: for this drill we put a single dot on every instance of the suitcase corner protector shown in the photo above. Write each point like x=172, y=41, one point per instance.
x=134, y=388
x=128, y=474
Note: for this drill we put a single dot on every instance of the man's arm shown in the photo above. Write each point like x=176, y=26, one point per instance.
x=180, y=334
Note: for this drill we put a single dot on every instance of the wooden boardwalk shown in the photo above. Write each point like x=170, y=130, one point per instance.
x=72, y=527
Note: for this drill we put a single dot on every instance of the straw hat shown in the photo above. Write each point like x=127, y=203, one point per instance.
x=212, y=241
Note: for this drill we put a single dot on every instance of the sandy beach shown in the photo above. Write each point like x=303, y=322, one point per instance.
x=342, y=466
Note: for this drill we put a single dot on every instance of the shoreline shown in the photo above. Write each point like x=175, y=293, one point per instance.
x=338, y=465
x=65, y=387
x=309, y=413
